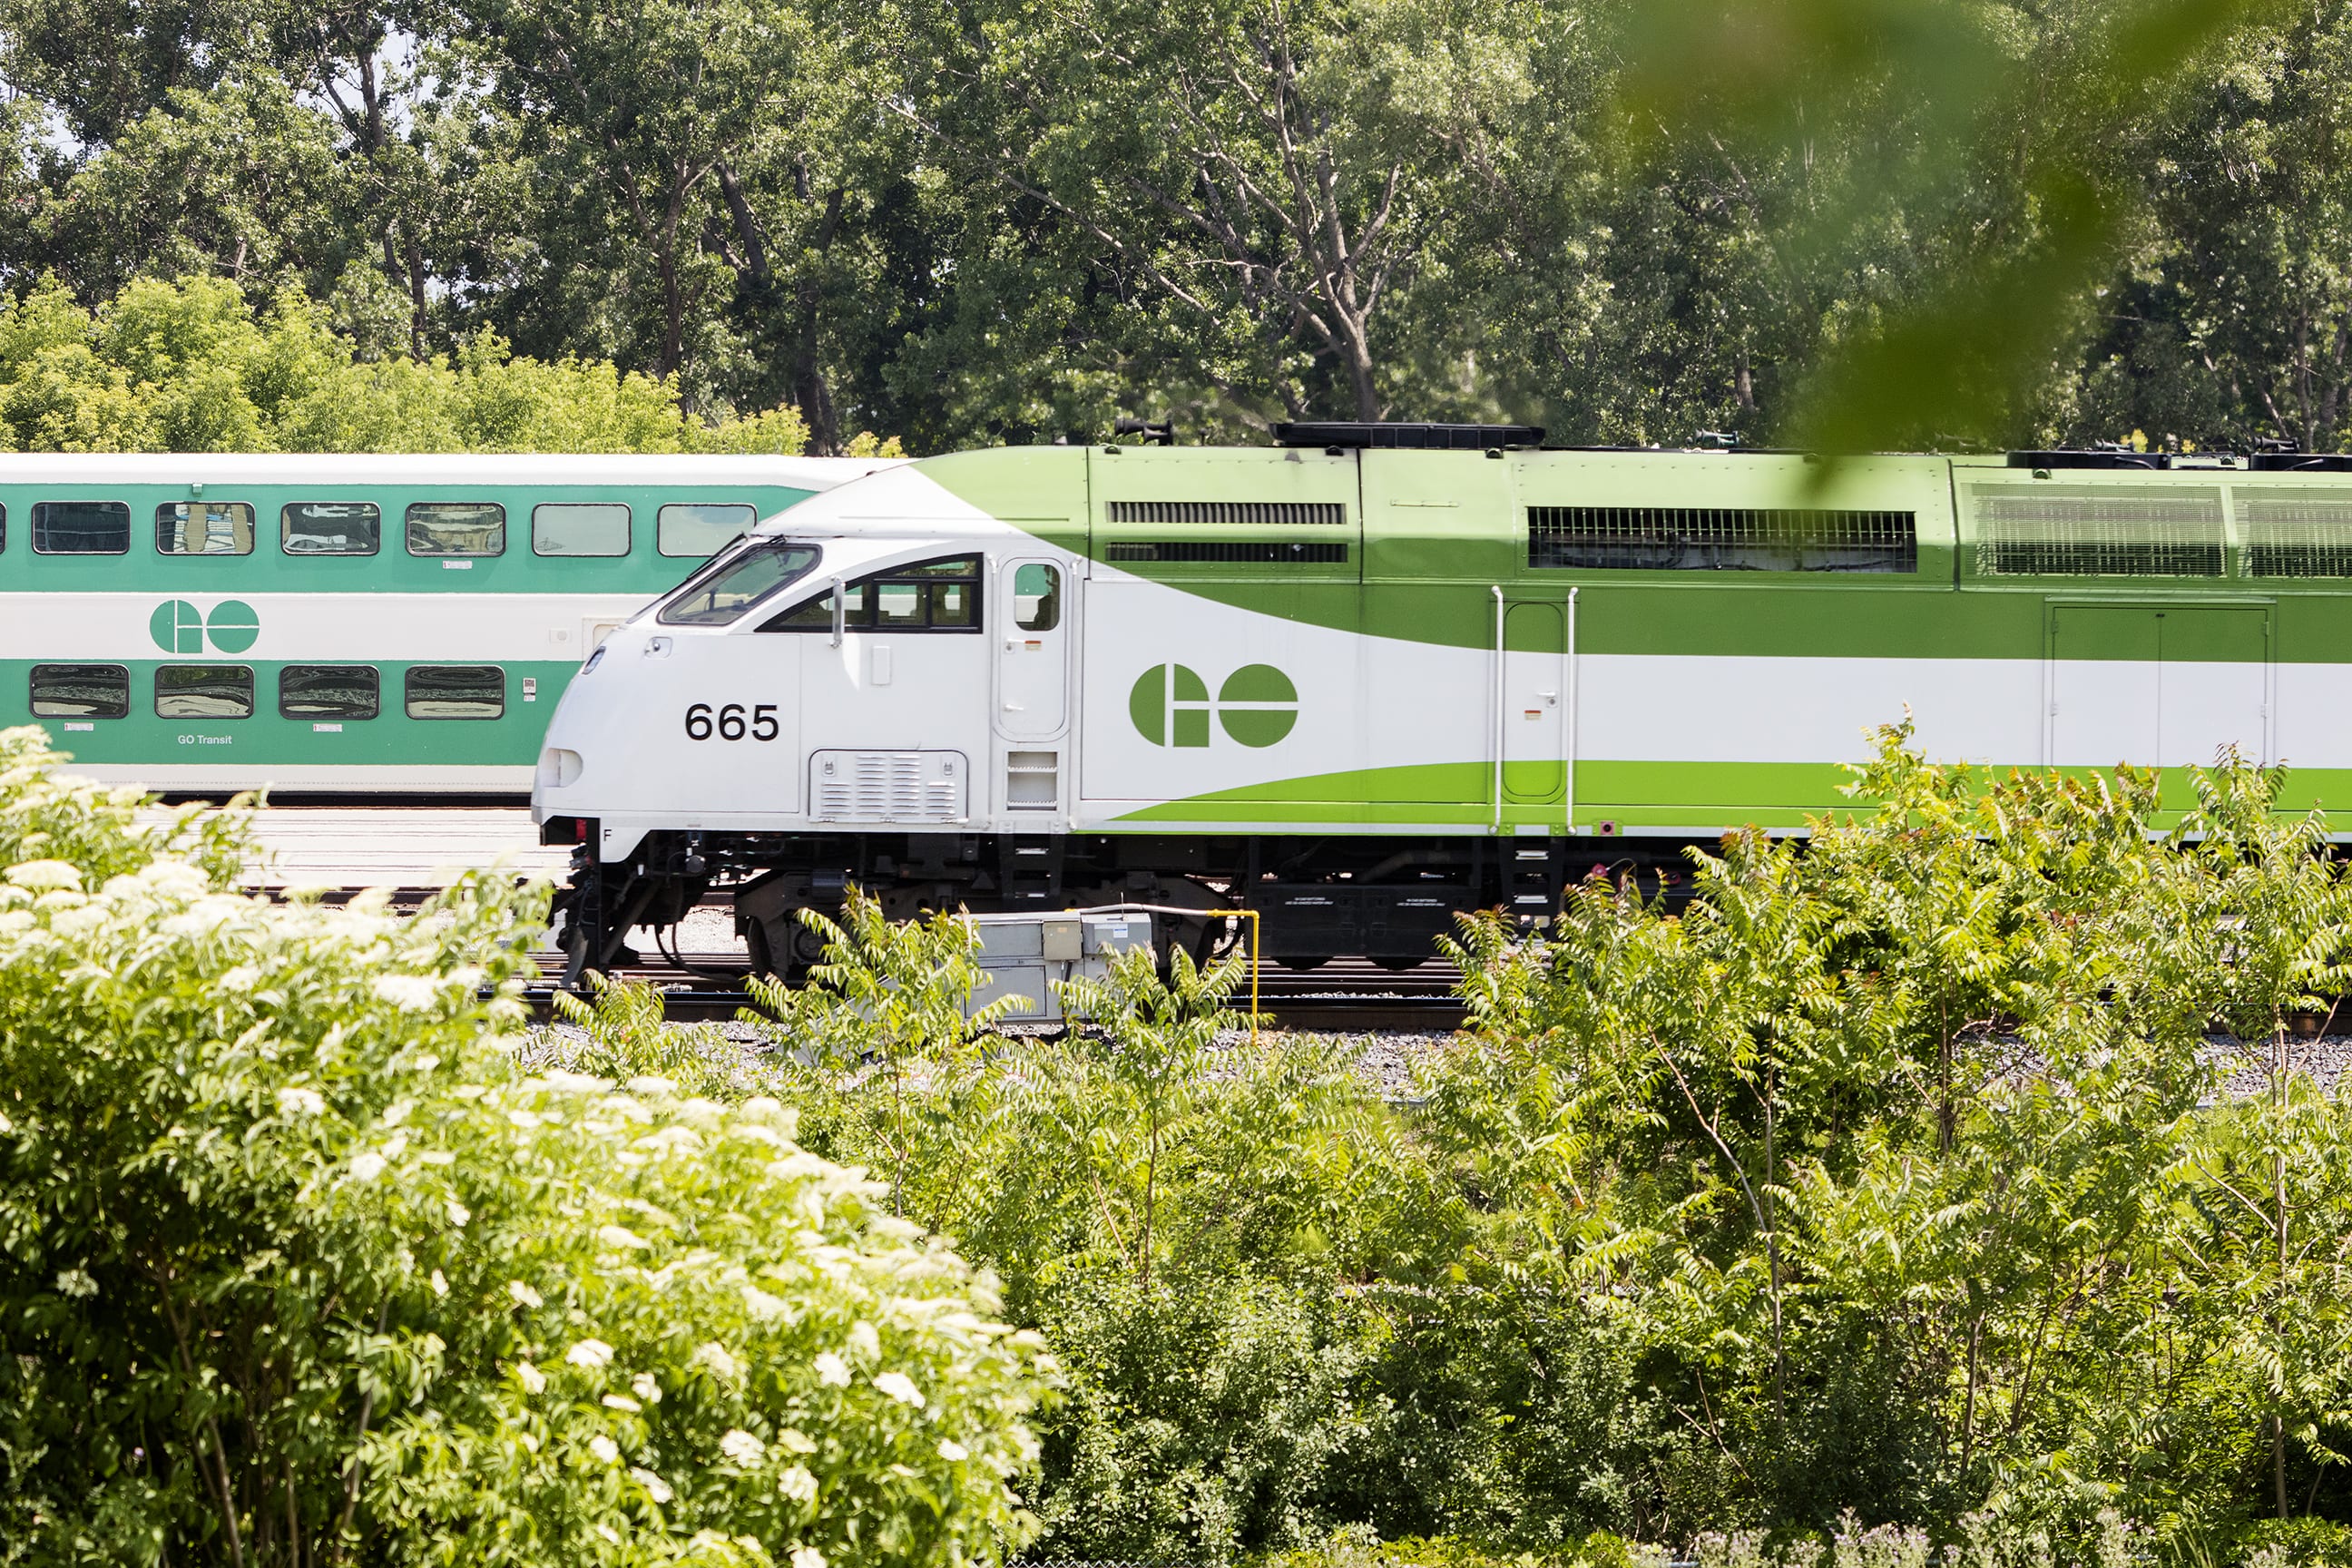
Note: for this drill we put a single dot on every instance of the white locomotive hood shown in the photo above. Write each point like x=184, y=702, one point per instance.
x=903, y=499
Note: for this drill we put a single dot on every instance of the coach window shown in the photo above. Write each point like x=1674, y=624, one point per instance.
x=4, y=527
x=81, y=691
x=1036, y=597
x=457, y=528
x=580, y=528
x=203, y=528
x=929, y=596
x=457, y=691
x=327, y=691
x=700, y=529
x=330, y=528
x=81, y=528
x=204, y=692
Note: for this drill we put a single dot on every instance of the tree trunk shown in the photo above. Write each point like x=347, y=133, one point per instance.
x=673, y=342
x=416, y=253
x=812, y=390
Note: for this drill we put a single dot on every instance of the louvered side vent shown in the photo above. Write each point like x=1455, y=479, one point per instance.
x=2297, y=532
x=2102, y=530
x=1721, y=539
x=1265, y=552
x=888, y=786
x=1277, y=513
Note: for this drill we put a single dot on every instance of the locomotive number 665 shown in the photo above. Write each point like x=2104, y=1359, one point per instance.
x=728, y=721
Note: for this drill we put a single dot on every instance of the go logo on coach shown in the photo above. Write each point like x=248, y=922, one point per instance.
x=1256, y=705
x=179, y=626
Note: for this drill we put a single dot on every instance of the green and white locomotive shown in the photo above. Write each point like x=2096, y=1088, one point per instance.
x=342, y=624
x=1377, y=674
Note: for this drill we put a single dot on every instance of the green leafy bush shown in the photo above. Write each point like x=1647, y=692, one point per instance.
x=297, y=1266
x=1353, y=1548
x=1206, y=1416
x=1899, y=1172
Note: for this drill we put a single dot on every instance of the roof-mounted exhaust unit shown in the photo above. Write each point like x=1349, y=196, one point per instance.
x=1158, y=433
x=2292, y=462
x=1402, y=436
x=2101, y=457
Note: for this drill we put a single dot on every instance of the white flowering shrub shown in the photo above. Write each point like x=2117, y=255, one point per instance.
x=295, y=1266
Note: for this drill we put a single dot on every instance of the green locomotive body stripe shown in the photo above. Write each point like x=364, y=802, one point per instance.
x=1697, y=797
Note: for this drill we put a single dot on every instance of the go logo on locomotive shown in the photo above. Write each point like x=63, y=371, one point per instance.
x=1256, y=705
x=179, y=626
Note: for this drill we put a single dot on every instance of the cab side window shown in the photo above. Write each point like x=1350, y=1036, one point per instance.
x=925, y=596
x=1037, y=596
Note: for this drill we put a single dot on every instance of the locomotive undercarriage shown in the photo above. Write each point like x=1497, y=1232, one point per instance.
x=1383, y=899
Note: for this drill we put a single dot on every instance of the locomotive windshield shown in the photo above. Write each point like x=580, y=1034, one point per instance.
x=720, y=595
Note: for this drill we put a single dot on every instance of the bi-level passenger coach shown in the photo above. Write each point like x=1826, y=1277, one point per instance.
x=340, y=624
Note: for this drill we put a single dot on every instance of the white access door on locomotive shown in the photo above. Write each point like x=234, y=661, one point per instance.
x=2163, y=685
x=1030, y=624
x=1531, y=710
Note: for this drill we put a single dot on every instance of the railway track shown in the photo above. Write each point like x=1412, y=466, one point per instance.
x=1341, y=997
x=417, y=849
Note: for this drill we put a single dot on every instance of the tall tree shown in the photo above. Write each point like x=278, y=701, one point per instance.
x=1264, y=176
x=652, y=114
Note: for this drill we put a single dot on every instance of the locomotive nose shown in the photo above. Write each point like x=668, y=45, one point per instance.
x=569, y=743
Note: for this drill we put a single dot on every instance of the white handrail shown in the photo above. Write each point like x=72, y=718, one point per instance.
x=1567, y=792
x=1501, y=697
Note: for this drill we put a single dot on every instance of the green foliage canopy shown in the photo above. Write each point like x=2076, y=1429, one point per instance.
x=1844, y=222
x=189, y=367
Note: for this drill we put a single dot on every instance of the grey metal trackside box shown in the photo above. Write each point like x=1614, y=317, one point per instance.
x=1022, y=954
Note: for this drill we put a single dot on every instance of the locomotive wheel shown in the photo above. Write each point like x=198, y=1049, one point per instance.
x=1396, y=963
x=1303, y=965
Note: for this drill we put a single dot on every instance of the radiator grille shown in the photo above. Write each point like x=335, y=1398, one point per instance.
x=2288, y=533
x=1295, y=513
x=2103, y=530
x=888, y=786
x=1721, y=539
x=1269, y=551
